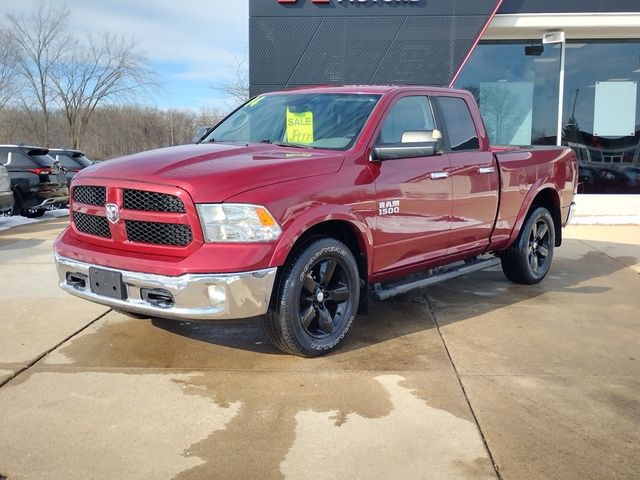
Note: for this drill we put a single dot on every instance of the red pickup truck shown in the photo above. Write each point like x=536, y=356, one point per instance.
x=302, y=204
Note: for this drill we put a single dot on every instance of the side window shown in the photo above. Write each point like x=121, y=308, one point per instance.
x=19, y=159
x=4, y=157
x=459, y=127
x=407, y=114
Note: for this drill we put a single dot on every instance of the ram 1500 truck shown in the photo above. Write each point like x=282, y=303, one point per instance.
x=302, y=204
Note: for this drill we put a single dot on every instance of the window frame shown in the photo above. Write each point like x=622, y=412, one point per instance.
x=392, y=104
x=446, y=144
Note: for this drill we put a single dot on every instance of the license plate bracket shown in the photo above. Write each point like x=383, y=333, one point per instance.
x=107, y=283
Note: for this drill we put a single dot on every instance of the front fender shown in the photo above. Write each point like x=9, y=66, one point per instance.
x=316, y=215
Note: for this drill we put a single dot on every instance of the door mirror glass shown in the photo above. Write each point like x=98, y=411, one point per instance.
x=397, y=151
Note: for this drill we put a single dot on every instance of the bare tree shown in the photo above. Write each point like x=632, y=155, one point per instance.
x=236, y=86
x=108, y=68
x=38, y=41
x=7, y=71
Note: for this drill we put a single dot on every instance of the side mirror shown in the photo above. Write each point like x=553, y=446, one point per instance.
x=414, y=144
x=396, y=151
x=199, y=134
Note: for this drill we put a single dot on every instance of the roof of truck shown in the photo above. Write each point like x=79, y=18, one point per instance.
x=366, y=89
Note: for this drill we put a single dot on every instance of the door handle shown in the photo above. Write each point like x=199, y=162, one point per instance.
x=486, y=170
x=439, y=175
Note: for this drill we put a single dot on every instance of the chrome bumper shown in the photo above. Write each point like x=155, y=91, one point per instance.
x=51, y=201
x=195, y=297
x=572, y=211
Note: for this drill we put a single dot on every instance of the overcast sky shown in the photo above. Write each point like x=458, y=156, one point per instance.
x=190, y=43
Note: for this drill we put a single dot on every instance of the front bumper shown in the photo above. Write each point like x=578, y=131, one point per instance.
x=195, y=296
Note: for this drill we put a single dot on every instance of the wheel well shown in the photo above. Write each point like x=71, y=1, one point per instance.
x=345, y=233
x=548, y=198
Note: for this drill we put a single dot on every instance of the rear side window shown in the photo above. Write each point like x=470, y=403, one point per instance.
x=43, y=160
x=83, y=161
x=459, y=127
x=67, y=162
x=22, y=160
x=4, y=157
x=407, y=114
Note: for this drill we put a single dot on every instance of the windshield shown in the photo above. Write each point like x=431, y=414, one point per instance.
x=311, y=120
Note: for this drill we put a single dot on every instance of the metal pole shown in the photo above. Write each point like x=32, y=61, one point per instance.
x=561, y=93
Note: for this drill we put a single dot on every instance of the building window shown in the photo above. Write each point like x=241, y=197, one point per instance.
x=601, y=119
x=516, y=85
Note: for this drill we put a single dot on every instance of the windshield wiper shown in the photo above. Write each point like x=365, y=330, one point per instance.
x=284, y=144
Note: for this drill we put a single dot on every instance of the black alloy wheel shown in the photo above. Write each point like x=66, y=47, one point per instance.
x=528, y=260
x=539, y=246
x=315, y=300
x=324, y=297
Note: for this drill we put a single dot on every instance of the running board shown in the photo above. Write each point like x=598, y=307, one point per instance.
x=434, y=276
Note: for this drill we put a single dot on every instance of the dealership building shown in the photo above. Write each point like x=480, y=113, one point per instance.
x=544, y=72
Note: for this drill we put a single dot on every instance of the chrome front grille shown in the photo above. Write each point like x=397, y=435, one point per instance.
x=152, y=201
x=173, y=234
x=90, y=195
x=92, y=224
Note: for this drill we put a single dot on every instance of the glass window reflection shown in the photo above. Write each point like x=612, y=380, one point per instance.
x=607, y=163
x=516, y=85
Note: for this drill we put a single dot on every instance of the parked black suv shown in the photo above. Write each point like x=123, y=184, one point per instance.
x=37, y=180
x=6, y=195
x=72, y=160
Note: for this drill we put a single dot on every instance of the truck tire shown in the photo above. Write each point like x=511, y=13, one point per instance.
x=316, y=299
x=33, y=212
x=17, y=204
x=528, y=260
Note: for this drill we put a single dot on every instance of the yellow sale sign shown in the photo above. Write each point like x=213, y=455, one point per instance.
x=300, y=127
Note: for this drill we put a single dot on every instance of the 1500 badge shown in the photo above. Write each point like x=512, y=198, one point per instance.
x=389, y=207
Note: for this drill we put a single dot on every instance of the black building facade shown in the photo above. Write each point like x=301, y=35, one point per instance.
x=542, y=71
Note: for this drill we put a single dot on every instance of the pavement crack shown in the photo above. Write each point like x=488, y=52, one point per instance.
x=496, y=468
x=47, y=352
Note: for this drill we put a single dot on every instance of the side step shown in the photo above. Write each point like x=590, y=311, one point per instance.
x=436, y=275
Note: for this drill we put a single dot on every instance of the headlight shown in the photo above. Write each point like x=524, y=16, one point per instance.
x=234, y=222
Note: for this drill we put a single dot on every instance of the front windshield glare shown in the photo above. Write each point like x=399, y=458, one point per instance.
x=318, y=120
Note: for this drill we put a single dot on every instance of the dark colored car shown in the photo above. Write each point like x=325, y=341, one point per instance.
x=37, y=180
x=6, y=195
x=72, y=160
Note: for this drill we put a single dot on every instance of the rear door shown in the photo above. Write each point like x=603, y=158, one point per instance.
x=474, y=175
x=413, y=194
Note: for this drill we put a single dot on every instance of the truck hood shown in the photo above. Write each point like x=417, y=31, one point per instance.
x=217, y=171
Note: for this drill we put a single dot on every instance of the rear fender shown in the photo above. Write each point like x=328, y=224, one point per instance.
x=536, y=188
x=293, y=231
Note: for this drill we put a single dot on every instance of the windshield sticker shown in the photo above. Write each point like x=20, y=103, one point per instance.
x=255, y=101
x=300, y=127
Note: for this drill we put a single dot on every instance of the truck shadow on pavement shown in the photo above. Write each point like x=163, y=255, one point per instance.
x=398, y=334
x=405, y=319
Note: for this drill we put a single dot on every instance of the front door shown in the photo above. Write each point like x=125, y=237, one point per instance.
x=413, y=194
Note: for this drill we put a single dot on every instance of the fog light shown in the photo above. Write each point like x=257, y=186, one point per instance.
x=217, y=295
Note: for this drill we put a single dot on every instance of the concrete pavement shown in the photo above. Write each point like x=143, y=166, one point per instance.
x=544, y=380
